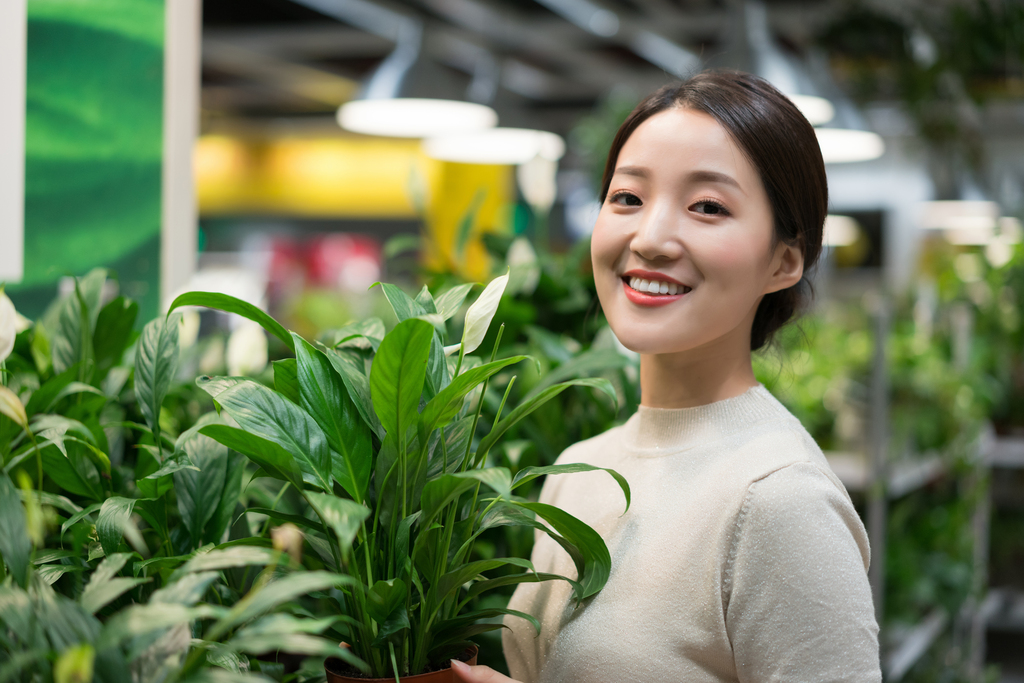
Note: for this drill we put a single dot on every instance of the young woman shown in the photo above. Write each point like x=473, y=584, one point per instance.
x=741, y=557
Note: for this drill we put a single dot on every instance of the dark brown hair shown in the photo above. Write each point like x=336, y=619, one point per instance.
x=780, y=144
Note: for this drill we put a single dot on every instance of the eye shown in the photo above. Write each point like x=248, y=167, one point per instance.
x=709, y=207
x=625, y=199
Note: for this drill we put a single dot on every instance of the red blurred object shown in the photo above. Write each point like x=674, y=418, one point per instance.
x=346, y=262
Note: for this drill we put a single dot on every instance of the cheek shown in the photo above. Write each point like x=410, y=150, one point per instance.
x=738, y=262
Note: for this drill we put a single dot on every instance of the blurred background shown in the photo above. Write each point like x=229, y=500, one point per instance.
x=292, y=153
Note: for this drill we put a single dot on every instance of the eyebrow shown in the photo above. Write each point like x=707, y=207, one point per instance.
x=694, y=176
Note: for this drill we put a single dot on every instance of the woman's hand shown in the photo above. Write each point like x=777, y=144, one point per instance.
x=478, y=674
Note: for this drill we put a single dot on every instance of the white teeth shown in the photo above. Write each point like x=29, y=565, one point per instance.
x=656, y=286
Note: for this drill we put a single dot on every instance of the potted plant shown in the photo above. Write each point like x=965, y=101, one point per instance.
x=378, y=434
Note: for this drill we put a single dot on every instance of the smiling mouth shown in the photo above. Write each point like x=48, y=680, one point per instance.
x=655, y=287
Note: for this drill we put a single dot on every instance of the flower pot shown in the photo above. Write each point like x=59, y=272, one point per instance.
x=339, y=672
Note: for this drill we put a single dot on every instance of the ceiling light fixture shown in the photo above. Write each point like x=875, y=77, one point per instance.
x=496, y=146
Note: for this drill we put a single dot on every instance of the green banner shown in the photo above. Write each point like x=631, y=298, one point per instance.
x=93, y=145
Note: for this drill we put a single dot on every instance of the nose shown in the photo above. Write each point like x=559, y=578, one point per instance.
x=658, y=235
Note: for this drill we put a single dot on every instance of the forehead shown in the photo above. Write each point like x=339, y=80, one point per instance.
x=682, y=140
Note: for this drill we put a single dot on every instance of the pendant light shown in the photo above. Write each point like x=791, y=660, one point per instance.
x=752, y=48
x=388, y=105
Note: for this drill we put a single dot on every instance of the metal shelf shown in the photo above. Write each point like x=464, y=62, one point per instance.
x=905, y=476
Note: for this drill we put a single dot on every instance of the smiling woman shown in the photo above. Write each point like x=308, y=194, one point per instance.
x=742, y=557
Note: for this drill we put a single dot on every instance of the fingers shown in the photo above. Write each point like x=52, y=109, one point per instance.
x=477, y=674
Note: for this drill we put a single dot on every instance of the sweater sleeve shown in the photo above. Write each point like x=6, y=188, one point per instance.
x=797, y=601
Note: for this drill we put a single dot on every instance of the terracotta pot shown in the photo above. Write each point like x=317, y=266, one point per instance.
x=338, y=671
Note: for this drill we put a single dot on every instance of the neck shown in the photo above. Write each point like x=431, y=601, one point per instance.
x=696, y=377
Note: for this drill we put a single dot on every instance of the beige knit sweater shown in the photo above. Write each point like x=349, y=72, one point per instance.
x=741, y=558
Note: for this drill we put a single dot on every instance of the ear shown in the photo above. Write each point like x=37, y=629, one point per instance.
x=787, y=267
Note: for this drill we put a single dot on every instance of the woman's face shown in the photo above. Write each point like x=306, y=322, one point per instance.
x=687, y=212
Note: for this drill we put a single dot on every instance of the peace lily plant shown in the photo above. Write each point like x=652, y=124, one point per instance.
x=380, y=435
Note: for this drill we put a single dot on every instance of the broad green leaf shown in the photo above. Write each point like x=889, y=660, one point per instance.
x=187, y=590
x=398, y=373
x=466, y=625
x=438, y=493
x=297, y=520
x=229, y=304
x=73, y=472
x=43, y=397
x=114, y=517
x=15, y=545
x=403, y=306
x=113, y=333
x=222, y=516
x=437, y=377
x=498, y=479
x=280, y=591
x=266, y=414
x=444, y=407
x=322, y=394
x=343, y=516
x=139, y=620
x=453, y=580
x=425, y=300
x=396, y=622
x=156, y=362
x=275, y=461
x=286, y=380
x=588, y=363
x=365, y=334
x=481, y=587
x=105, y=586
x=530, y=473
x=224, y=676
x=358, y=387
x=10, y=405
x=384, y=597
x=449, y=303
x=292, y=643
x=71, y=341
x=74, y=388
x=531, y=404
x=79, y=516
x=596, y=561
x=226, y=558
x=479, y=315
x=176, y=462
x=199, y=490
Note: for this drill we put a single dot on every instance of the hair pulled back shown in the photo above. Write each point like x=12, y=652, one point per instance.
x=780, y=144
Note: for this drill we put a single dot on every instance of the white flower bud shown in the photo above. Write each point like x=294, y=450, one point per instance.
x=247, y=350
x=8, y=326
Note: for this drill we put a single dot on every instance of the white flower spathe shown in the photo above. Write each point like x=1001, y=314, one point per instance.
x=8, y=326
x=247, y=350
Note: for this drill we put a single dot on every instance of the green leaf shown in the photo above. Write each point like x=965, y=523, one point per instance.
x=481, y=587
x=425, y=300
x=397, y=376
x=199, y=490
x=224, y=676
x=449, y=303
x=266, y=414
x=531, y=473
x=105, y=586
x=365, y=334
x=71, y=342
x=596, y=563
x=218, y=524
x=403, y=306
x=44, y=397
x=465, y=229
x=438, y=493
x=297, y=520
x=384, y=597
x=358, y=387
x=528, y=406
x=79, y=516
x=15, y=546
x=227, y=558
x=467, y=625
x=286, y=379
x=187, y=590
x=139, y=620
x=75, y=665
x=280, y=591
x=275, y=461
x=479, y=315
x=113, y=333
x=453, y=580
x=156, y=363
x=343, y=516
x=444, y=407
x=176, y=462
x=229, y=304
x=74, y=471
x=323, y=395
x=588, y=363
x=113, y=518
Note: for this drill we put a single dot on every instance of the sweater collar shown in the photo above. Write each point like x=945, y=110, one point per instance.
x=657, y=431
